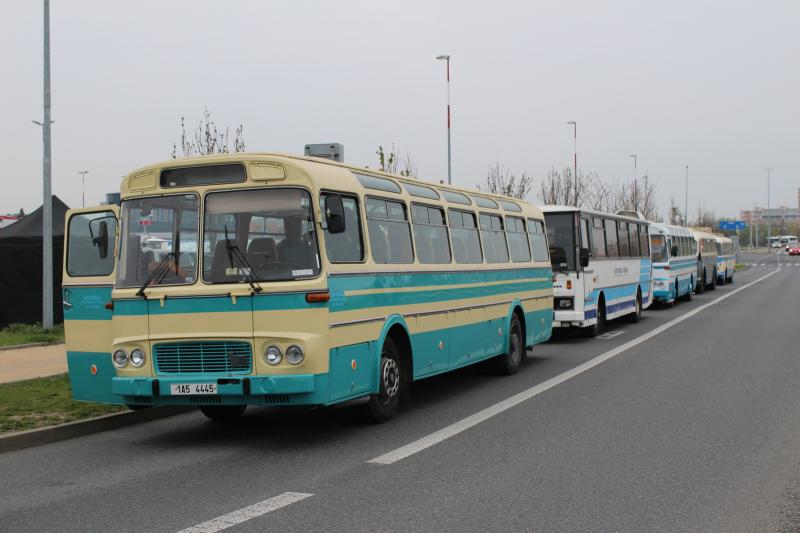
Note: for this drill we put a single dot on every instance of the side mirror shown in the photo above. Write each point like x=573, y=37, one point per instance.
x=584, y=256
x=101, y=241
x=674, y=251
x=334, y=214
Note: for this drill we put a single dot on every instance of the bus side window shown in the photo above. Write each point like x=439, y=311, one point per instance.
x=598, y=238
x=83, y=255
x=494, y=239
x=464, y=235
x=348, y=246
x=585, y=235
x=389, y=234
x=538, y=241
x=430, y=234
x=634, y=235
x=611, y=238
x=644, y=241
x=517, y=240
x=624, y=245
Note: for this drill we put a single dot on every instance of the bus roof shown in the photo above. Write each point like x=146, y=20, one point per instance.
x=573, y=209
x=332, y=179
x=669, y=229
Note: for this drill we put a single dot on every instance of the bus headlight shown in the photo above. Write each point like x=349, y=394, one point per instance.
x=137, y=358
x=273, y=355
x=294, y=354
x=120, y=359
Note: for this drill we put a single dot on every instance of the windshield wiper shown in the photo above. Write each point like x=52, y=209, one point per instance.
x=159, y=273
x=236, y=255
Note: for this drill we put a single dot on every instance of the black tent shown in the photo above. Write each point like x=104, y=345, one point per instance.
x=21, y=267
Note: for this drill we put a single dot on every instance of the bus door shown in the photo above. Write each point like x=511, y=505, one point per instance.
x=589, y=277
x=89, y=271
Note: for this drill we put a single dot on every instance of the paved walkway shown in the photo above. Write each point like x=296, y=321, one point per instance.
x=28, y=363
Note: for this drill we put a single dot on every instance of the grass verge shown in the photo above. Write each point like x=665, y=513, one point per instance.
x=41, y=402
x=28, y=333
x=740, y=266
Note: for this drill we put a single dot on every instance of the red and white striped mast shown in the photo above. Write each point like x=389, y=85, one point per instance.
x=446, y=58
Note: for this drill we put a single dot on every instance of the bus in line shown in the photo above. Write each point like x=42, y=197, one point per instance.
x=283, y=280
x=706, y=261
x=674, y=254
x=601, y=265
x=726, y=259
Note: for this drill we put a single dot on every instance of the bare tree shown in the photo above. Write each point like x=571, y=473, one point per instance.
x=637, y=195
x=207, y=139
x=393, y=163
x=704, y=218
x=500, y=180
x=559, y=187
x=675, y=214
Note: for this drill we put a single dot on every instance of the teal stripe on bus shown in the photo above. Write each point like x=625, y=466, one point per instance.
x=88, y=302
x=352, y=282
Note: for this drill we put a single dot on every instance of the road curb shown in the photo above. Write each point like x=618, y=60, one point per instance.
x=28, y=345
x=79, y=428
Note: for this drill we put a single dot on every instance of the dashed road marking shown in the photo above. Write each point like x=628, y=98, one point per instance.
x=247, y=513
x=610, y=335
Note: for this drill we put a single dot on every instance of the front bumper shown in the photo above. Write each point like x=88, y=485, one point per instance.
x=295, y=389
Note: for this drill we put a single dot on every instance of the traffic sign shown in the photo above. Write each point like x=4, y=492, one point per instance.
x=732, y=225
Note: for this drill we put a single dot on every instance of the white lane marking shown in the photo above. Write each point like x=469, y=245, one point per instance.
x=465, y=423
x=246, y=513
x=610, y=335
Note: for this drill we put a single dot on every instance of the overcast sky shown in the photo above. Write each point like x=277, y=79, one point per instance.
x=715, y=85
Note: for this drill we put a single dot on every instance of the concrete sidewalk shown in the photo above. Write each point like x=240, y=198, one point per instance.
x=33, y=362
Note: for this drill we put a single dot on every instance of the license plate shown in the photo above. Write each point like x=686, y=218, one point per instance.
x=177, y=389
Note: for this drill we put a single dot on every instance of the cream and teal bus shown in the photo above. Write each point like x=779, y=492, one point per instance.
x=726, y=259
x=279, y=280
x=706, y=261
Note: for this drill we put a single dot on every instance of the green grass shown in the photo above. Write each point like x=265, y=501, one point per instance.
x=28, y=333
x=43, y=402
x=740, y=266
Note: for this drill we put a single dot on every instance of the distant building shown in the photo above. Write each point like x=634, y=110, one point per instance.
x=780, y=218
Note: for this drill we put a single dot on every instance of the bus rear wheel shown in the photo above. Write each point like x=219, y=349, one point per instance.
x=223, y=413
x=713, y=285
x=509, y=362
x=701, y=287
x=688, y=296
x=382, y=406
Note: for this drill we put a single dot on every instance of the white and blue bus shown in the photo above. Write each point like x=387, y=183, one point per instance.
x=726, y=259
x=674, y=253
x=601, y=266
x=706, y=261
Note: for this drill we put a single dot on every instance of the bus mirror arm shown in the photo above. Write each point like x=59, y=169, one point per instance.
x=334, y=214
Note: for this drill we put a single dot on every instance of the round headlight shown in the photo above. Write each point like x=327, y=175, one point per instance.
x=294, y=354
x=137, y=357
x=120, y=359
x=273, y=355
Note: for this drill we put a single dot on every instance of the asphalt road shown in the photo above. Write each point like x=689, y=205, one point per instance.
x=689, y=421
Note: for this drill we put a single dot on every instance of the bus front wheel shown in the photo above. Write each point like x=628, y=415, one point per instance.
x=713, y=285
x=637, y=311
x=509, y=362
x=701, y=287
x=688, y=296
x=383, y=405
x=223, y=413
x=600, y=325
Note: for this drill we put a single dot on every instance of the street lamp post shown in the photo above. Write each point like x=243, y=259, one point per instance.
x=446, y=58
x=575, y=156
x=686, y=199
x=769, y=221
x=635, y=177
x=83, y=186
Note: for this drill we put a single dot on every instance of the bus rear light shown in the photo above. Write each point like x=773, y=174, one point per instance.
x=569, y=284
x=667, y=267
x=316, y=297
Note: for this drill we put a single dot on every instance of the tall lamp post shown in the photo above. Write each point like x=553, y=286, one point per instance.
x=575, y=156
x=83, y=186
x=769, y=220
x=446, y=58
x=635, y=177
x=686, y=199
x=47, y=198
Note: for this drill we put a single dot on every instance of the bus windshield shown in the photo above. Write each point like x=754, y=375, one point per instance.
x=561, y=235
x=272, y=228
x=156, y=231
x=658, y=249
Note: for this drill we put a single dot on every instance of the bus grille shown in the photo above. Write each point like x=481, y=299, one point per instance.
x=209, y=357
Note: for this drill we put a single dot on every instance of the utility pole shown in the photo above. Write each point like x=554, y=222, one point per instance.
x=575, y=156
x=769, y=221
x=47, y=197
x=446, y=58
x=83, y=186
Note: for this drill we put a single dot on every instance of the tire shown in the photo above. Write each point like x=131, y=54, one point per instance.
x=724, y=277
x=688, y=296
x=701, y=288
x=713, y=285
x=598, y=327
x=636, y=316
x=730, y=279
x=223, y=413
x=382, y=406
x=509, y=362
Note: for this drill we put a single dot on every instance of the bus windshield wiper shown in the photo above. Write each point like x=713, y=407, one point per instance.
x=235, y=255
x=159, y=273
